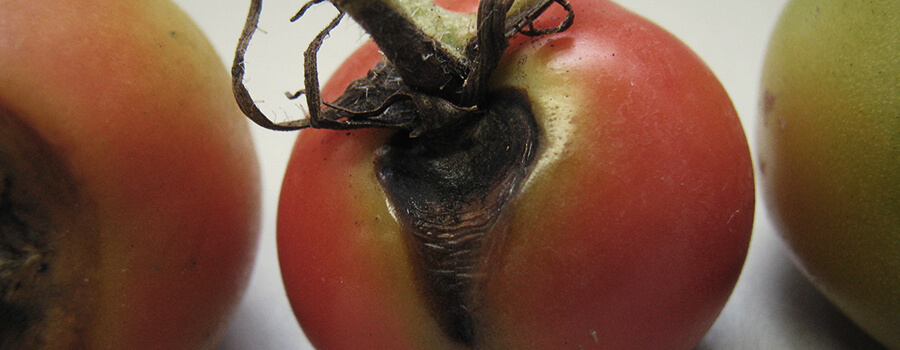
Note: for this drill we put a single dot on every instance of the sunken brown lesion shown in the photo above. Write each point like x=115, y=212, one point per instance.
x=23, y=259
x=38, y=304
x=462, y=147
x=450, y=193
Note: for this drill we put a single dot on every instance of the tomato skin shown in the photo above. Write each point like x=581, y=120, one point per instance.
x=829, y=135
x=630, y=233
x=136, y=105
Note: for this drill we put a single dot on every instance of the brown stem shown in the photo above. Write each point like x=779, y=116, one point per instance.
x=433, y=72
x=241, y=94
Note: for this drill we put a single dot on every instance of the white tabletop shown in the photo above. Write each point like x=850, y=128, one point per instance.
x=773, y=307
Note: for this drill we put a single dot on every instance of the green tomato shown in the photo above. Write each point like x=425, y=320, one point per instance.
x=830, y=152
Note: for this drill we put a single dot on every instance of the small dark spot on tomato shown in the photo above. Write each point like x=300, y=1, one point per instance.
x=768, y=104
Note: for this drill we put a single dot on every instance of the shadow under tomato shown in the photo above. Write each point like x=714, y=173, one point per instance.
x=806, y=305
x=776, y=307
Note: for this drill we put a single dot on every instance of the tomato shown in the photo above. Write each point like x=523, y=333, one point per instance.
x=829, y=139
x=129, y=186
x=628, y=231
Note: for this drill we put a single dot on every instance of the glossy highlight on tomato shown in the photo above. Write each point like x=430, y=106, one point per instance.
x=629, y=230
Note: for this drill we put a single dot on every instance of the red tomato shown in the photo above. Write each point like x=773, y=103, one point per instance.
x=127, y=179
x=629, y=233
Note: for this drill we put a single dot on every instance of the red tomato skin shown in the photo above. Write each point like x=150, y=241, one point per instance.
x=629, y=235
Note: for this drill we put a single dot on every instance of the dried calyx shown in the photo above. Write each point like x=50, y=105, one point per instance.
x=463, y=148
x=446, y=73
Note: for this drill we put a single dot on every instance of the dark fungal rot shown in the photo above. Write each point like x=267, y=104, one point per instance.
x=461, y=150
x=449, y=191
x=35, y=287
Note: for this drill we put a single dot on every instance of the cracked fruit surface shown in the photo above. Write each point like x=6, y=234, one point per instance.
x=128, y=181
x=601, y=197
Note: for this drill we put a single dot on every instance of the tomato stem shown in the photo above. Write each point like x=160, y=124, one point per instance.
x=442, y=60
x=452, y=30
x=443, y=53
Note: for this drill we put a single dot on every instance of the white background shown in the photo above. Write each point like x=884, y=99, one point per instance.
x=773, y=307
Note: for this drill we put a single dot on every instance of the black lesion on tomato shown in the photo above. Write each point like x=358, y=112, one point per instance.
x=35, y=188
x=23, y=259
x=21, y=245
x=450, y=191
x=462, y=147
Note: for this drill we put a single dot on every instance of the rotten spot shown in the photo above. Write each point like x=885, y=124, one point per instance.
x=24, y=250
x=768, y=103
x=462, y=149
x=35, y=190
x=449, y=192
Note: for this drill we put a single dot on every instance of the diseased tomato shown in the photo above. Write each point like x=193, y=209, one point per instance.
x=830, y=152
x=129, y=188
x=595, y=192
